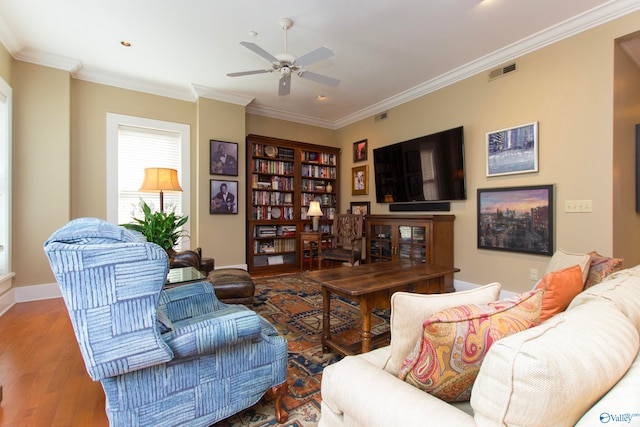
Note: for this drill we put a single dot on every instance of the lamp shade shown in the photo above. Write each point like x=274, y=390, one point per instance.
x=314, y=209
x=160, y=179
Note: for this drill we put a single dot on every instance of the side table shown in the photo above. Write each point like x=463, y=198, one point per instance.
x=311, y=237
x=182, y=276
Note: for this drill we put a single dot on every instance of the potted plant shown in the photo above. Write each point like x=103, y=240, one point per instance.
x=161, y=228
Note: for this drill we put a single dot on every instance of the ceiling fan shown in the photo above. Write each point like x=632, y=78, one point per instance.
x=286, y=64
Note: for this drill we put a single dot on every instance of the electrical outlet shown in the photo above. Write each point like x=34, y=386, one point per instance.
x=533, y=273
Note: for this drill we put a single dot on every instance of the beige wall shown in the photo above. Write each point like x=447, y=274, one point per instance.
x=626, y=232
x=568, y=89
x=222, y=237
x=41, y=166
x=59, y=149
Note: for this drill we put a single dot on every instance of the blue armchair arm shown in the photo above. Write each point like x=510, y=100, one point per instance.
x=215, y=330
x=192, y=300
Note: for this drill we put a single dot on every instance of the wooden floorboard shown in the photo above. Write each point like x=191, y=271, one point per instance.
x=41, y=370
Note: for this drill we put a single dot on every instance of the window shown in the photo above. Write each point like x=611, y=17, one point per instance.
x=133, y=144
x=5, y=186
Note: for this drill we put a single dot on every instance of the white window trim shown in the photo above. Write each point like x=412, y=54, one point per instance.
x=7, y=92
x=113, y=122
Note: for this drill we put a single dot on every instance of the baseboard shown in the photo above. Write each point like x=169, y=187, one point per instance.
x=37, y=292
x=7, y=300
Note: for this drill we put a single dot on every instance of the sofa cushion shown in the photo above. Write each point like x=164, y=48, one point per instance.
x=552, y=374
x=447, y=359
x=562, y=259
x=622, y=290
x=620, y=404
x=560, y=287
x=601, y=267
x=410, y=310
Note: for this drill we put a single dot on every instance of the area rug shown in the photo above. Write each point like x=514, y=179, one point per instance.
x=293, y=304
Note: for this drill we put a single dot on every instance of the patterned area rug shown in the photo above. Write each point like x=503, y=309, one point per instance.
x=294, y=306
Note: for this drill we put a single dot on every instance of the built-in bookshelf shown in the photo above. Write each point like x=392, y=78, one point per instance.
x=283, y=177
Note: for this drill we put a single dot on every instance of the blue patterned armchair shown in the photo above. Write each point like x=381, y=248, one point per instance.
x=164, y=357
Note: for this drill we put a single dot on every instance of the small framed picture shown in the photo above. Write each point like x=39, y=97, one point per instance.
x=360, y=151
x=223, y=197
x=513, y=150
x=516, y=219
x=360, y=180
x=360, y=208
x=223, y=157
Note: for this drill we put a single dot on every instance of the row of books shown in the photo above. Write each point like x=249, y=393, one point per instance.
x=274, y=246
x=281, y=153
x=317, y=171
x=323, y=158
x=274, y=230
x=271, y=198
x=324, y=199
x=272, y=182
x=272, y=167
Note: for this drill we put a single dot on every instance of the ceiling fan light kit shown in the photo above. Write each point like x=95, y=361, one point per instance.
x=287, y=64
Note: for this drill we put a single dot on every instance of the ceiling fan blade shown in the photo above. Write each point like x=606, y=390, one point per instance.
x=260, y=51
x=319, y=78
x=284, y=87
x=248, y=73
x=314, y=56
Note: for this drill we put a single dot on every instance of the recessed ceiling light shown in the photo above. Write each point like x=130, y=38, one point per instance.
x=125, y=43
x=321, y=97
x=253, y=33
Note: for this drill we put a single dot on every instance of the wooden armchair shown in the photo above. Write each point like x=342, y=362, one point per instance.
x=347, y=239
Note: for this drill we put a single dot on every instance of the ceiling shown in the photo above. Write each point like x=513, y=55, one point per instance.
x=386, y=53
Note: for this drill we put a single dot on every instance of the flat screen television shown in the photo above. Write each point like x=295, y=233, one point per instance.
x=428, y=168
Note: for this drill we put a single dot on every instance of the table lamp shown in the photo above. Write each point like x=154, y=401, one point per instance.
x=315, y=213
x=160, y=180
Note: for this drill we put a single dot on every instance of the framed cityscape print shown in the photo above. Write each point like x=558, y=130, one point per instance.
x=223, y=158
x=512, y=150
x=516, y=219
x=223, y=197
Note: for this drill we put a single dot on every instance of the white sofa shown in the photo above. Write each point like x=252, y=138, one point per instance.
x=580, y=367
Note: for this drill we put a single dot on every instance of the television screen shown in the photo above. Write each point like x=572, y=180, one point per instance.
x=428, y=168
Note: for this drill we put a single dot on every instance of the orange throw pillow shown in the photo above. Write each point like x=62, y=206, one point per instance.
x=560, y=287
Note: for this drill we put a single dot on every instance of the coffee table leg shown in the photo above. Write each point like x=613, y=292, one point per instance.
x=326, y=322
x=365, y=310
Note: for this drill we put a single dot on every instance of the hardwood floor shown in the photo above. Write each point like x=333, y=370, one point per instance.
x=41, y=370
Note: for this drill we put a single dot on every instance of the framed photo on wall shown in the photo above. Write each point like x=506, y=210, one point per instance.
x=223, y=158
x=361, y=208
x=360, y=151
x=223, y=197
x=512, y=150
x=516, y=219
x=360, y=180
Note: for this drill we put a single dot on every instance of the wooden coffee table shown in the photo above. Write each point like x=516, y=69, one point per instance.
x=372, y=285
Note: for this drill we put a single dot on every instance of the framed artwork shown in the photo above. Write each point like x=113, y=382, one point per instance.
x=512, y=150
x=360, y=180
x=361, y=208
x=223, y=158
x=516, y=219
x=360, y=151
x=223, y=197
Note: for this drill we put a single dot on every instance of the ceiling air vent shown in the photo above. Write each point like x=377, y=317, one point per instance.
x=499, y=72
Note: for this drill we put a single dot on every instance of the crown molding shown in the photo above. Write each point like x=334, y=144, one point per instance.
x=138, y=85
x=49, y=60
x=590, y=19
x=218, y=95
x=290, y=117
